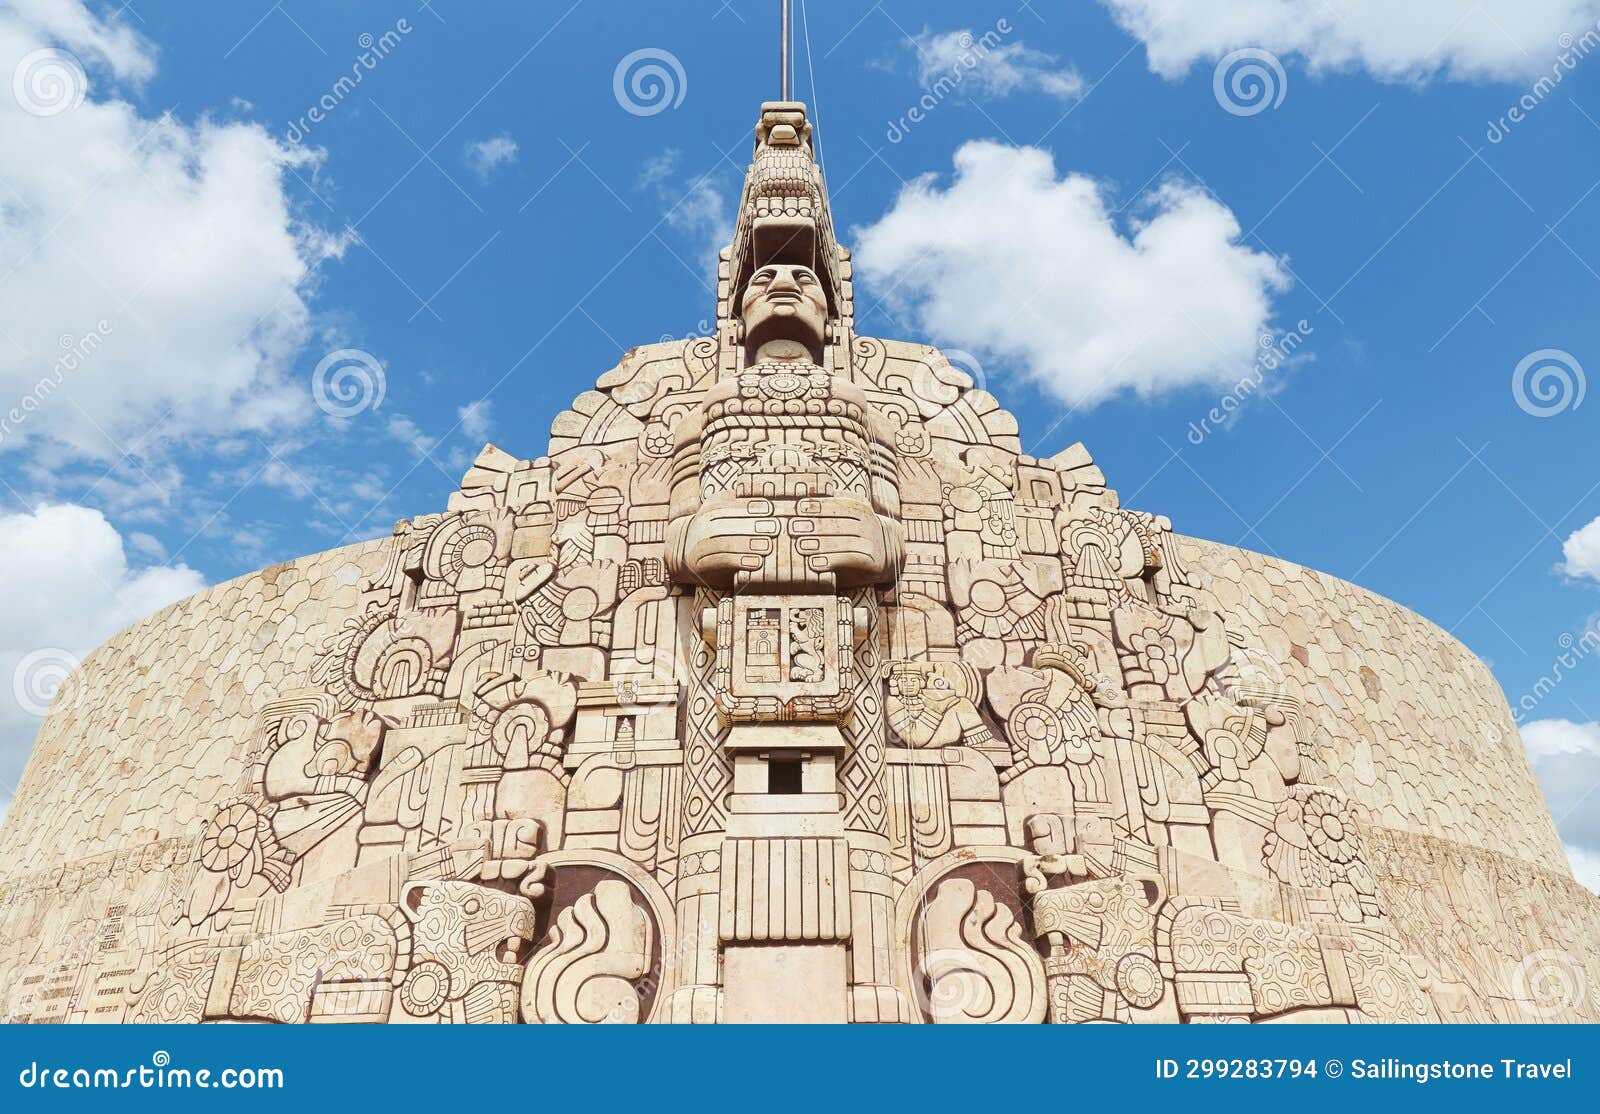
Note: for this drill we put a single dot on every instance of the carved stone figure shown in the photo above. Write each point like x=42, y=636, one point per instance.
x=784, y=686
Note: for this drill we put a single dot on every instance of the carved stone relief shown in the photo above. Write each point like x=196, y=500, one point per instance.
x=787, y=685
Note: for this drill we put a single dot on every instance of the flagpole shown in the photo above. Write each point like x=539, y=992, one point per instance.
x=786, y=64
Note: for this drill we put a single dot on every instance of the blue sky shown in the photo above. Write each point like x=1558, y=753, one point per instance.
x=492, y=223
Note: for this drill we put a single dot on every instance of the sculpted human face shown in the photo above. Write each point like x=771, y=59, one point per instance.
x=785, y=302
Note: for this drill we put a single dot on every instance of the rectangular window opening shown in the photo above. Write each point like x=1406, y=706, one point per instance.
x=783, y=777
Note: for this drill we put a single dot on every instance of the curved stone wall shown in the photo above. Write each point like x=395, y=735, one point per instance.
x=155, y=727
x=1406, y=720
x=145, y=743
x=782, y=668
x=1403, y=718
x=1415, y=730
x=153, y=730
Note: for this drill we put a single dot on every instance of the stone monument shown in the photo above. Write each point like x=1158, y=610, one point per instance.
x=785, y=687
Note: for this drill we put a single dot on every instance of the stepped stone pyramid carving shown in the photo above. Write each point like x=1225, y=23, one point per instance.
x=786, y=687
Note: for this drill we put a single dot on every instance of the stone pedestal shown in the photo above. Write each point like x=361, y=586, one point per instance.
x=784, y=984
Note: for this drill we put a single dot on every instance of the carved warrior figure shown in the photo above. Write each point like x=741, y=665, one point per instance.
x=785, y=687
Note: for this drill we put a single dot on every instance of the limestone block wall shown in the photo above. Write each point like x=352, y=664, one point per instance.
x=153, y=730
x=157, y=730
x=1215, y=786
x=1405, y=719
x=1415, y=730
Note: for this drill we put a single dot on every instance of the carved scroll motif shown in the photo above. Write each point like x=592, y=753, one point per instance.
x=976, y=969
x=585, y=972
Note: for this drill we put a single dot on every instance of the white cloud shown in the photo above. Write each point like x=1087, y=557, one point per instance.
x=68, y=588
x=703, y=211
x=476, y=419
x=696, y=207
x=1585, y=866
x=1566, y=759
x=961, y=58
x=114, y=44
x=1031, y=270
x=408, y=433
x=1547, y=738
x=173, y=246
x=485, y=156
x=658, y=168
x=1496, y=39
x=148, y=545
x=457, y=447
x=1582, y=552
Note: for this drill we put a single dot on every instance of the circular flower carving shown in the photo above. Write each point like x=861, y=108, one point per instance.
x=1330, y=828
x=1034, y=725
x=784, y=385
x=911, y=440
x=1314, y=842
x=426, y=989
x=1139, y=980
x=237, y=850
x=232, y=843
x=656, y=440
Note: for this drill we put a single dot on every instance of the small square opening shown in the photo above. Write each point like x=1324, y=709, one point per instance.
x=783, y=777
